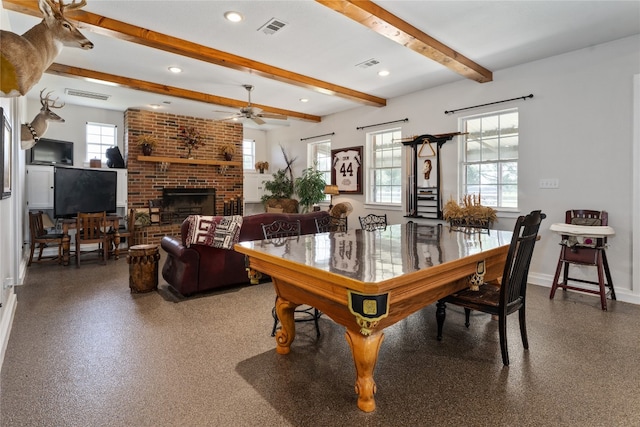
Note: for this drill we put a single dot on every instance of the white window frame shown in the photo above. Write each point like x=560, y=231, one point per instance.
x=317, y=158
x=98, y=142
x=248, y=154
x=504, y=165
x=380, y=158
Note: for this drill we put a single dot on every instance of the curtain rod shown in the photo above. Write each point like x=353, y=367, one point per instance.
x=524, y=98
x=317, y=136
x=385, y=123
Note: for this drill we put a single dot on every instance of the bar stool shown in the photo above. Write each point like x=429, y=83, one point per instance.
x=584, y=240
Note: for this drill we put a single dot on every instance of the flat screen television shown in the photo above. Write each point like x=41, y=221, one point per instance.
x=51, y=152
x=83, y=190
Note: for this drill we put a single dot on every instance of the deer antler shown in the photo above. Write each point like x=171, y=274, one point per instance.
x=71, y=6
x=46, y=101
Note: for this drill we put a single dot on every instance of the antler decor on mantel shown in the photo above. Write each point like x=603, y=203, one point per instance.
x=24, y=58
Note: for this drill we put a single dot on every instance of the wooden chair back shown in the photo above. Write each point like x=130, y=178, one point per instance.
x=373, y=222
x=91, y=228
x=41, y=239
x=331, y=223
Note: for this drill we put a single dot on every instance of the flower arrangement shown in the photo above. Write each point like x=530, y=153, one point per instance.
x=262, y=166
x=147, y=140
x=191, y=137
x=470, y=214
x=227, y=149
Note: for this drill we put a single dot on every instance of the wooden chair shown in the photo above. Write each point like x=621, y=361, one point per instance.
x=373, y=222
x=129, y=234
x=509, y=296
x=331, y=223
x=91, y=228
x=277, y=233
x=591, y=254
x=41, y=239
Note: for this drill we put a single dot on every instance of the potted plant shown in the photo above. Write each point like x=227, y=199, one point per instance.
x=228, y=150
x=262, y=166
x=281, y=190
x=310, y=187
x=148, y=143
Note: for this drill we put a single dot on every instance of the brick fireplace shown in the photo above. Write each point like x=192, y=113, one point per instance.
x=147, y=179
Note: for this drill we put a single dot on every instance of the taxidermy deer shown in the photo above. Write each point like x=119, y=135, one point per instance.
x=24, y=58
x=30, y=133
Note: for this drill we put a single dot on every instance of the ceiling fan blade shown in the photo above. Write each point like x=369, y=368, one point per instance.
x=273, y=116
x=258, y=120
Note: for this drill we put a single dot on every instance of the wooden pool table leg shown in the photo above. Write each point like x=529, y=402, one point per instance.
x=365, y=355
x=285, y=335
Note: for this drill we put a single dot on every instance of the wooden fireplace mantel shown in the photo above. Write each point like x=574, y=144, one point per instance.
x=157, y=159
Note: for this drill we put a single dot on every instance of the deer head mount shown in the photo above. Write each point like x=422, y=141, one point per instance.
x=31, y=133
x=24, y=58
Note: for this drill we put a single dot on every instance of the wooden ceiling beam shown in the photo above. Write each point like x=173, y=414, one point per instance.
x=385, y=23
x=82, y=73
x=123, y=31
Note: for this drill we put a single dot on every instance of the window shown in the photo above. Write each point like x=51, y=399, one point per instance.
x=100, y=136
x=319, y=154
x=248, y=154
x=490, y=164
x=385, y=167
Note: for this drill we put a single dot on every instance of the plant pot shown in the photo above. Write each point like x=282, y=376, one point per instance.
x=147, y=150
x=228, y=157
x=261, y=170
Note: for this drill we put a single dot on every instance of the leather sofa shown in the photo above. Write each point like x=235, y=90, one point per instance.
x=200, y=268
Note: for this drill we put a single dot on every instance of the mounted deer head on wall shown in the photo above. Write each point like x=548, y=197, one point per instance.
x=31, y=133
x=24, y=58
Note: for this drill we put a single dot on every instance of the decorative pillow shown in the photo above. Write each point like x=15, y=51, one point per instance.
x=201, y=230
x=227, y=232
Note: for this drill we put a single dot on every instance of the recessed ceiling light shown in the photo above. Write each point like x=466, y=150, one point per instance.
x=383, y=73
x=304, y=100
x=154, y=106
x=233, y=16
x=175, y=69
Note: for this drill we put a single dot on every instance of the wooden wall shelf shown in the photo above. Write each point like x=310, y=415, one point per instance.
x=157, y=159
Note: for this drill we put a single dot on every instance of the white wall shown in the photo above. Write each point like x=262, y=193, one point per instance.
x=577, y=128
x=74, y=129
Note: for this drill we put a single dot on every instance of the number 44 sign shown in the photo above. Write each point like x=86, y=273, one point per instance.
x=346, y=170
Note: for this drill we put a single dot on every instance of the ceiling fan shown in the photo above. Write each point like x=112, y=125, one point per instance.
x=254, y=113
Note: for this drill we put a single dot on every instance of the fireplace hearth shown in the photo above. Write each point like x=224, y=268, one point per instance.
x=178, y=203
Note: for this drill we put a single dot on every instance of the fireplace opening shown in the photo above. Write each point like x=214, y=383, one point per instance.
x=178, y=203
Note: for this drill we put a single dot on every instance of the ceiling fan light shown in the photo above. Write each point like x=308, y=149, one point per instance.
x=233, y=16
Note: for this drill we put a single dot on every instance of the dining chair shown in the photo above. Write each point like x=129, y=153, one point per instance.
x=584, y=252
x=129, y=233
x=91, y=228
x=373, y=222
x=278, y=233
x=330, y=223
x=507, y=297
x=41, y=239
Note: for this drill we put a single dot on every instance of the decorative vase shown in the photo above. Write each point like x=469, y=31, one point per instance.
x=228, y=156
x=261, y=170
x=147, y=149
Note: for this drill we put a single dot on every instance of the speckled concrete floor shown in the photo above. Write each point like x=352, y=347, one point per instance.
x=85, y=352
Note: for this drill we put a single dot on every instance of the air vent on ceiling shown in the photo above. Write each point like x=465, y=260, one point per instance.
x=85, y=94
x=368, y=63
x=272, y=26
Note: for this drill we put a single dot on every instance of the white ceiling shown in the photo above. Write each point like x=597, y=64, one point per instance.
x=321, y=43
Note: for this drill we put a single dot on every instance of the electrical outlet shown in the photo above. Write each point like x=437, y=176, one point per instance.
x=549, y=183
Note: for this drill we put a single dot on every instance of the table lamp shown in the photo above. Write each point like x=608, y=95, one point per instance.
x=332, y=190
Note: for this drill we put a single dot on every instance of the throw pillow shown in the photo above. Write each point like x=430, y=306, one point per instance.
x=227, y=232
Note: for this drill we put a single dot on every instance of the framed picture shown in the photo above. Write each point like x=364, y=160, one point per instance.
x=346, y=170
x=5, y=155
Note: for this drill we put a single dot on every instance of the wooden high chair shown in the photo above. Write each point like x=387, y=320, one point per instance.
x=584, y=250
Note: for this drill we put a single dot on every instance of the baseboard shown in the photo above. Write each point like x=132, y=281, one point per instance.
x=8, y=312
x=546, y=280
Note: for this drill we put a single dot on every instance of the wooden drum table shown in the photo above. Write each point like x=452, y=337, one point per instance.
x=143, y=267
